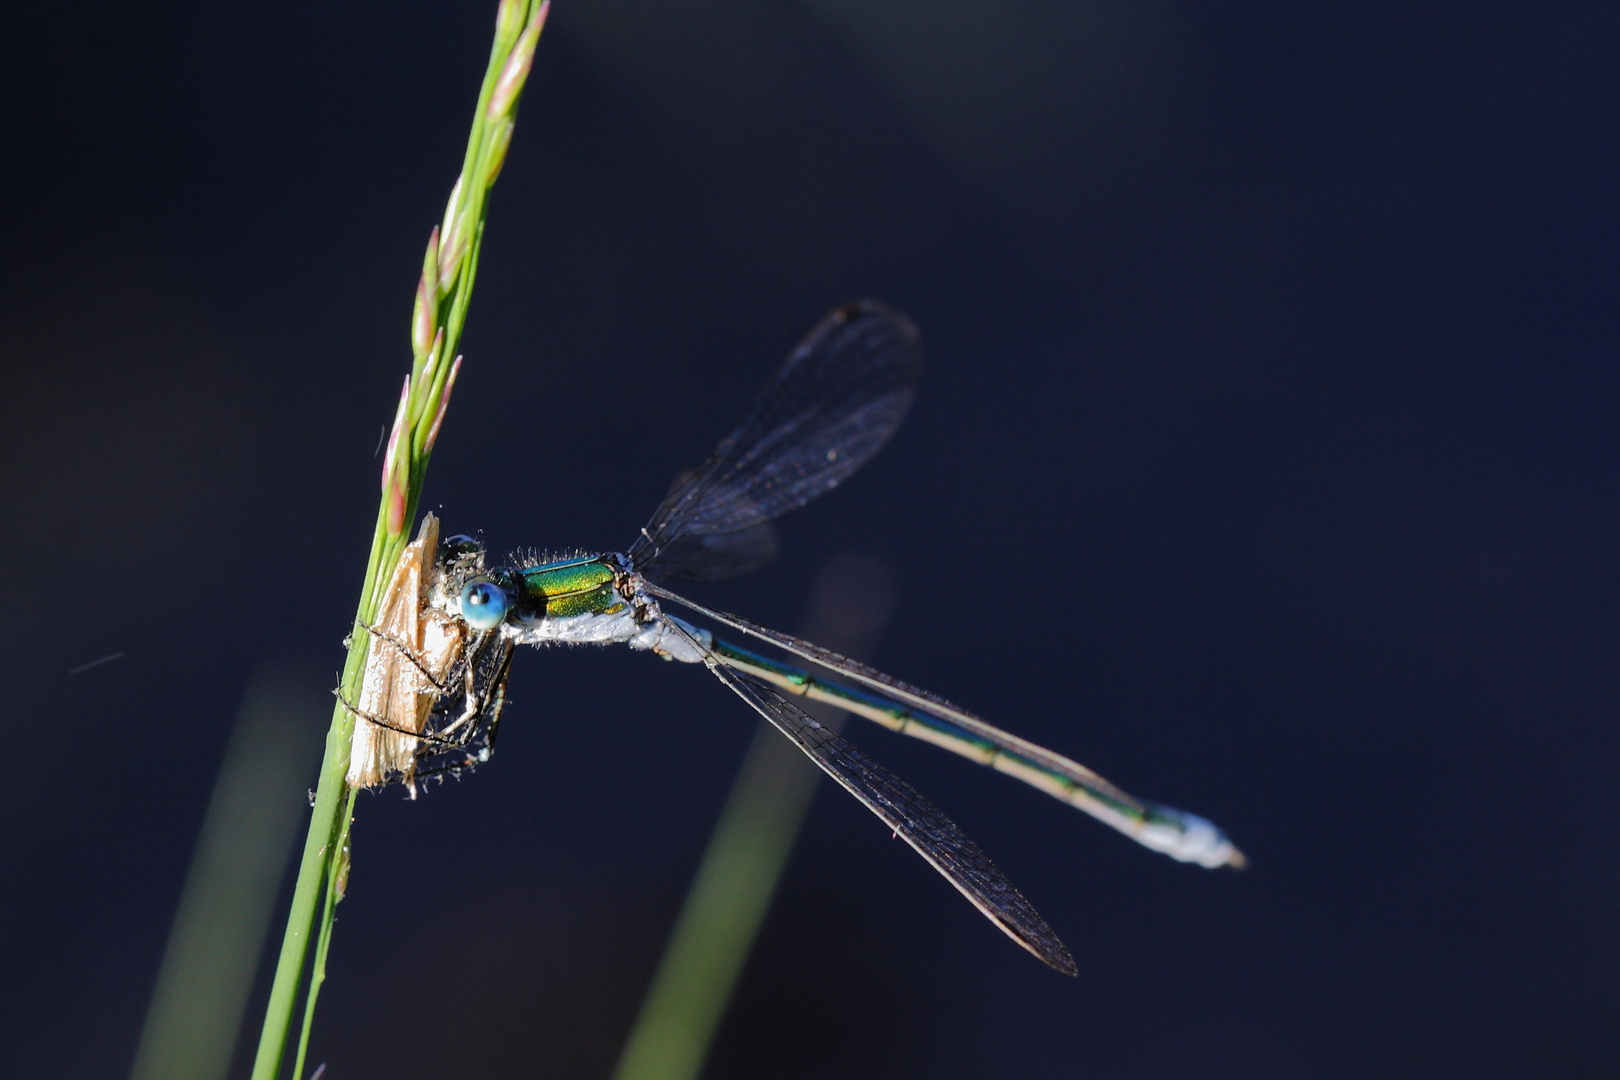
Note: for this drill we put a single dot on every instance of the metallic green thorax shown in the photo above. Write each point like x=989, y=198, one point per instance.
x=581, y=586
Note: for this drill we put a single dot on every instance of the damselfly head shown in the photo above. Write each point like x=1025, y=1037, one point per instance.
x=461, y=553
x=460, y=559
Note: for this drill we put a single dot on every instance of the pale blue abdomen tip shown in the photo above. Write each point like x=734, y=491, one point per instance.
x=1189, y=838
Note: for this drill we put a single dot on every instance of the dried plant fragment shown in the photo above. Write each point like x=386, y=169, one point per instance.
x=413, y=649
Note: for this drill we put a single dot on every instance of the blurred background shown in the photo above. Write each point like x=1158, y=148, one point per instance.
x=1266, y=463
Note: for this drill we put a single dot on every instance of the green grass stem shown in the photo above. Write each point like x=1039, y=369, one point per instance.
x=443, y=296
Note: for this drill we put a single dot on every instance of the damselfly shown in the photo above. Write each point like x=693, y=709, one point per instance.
x=444, y=649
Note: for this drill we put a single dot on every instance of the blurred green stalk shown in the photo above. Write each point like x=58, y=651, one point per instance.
x=442, y=296
x=237, y=868
x=748, y=850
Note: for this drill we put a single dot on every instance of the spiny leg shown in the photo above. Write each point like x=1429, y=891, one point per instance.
x=453, y=768
x=407, y=652
x=431, y=745
x=496, y=702
x=425, y=736
x=483, y=707
x=477, y=701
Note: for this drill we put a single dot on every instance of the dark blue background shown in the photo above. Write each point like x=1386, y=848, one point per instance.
x=1265, y=462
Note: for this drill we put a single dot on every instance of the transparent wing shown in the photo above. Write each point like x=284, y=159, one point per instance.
x=716, y=556
x=837, y=400
x=913, y=818
x=919, y=713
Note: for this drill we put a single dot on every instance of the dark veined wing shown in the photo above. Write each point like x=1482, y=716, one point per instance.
x=837, y=400
x=913, y=818
x=716, y=556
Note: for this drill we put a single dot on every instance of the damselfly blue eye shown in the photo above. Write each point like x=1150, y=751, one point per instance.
x=483, y=605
